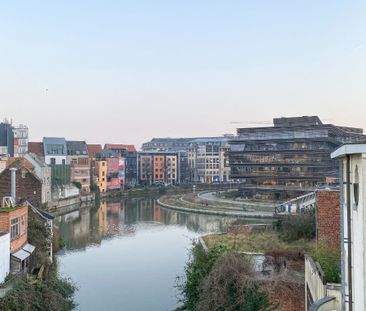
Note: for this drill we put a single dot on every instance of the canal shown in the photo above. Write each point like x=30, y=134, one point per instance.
x=126, y=255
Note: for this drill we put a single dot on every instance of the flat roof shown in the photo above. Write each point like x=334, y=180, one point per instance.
x=348, y=149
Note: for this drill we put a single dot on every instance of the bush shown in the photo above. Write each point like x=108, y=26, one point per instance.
x=196, y=271
x=231, y=285
x=330, y=261
x=296, y=227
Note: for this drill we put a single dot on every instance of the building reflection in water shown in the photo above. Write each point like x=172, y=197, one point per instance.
x=90, y=225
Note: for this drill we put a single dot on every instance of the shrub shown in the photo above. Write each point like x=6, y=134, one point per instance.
x=296, y=227
x=330, y=261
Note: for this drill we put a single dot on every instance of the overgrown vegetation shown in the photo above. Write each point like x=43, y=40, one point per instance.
x=231, y=194
x=48, y=292
x=329, y=260
x=218, y=280
x=296, y=227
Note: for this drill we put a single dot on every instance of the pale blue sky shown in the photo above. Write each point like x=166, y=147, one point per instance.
x=125, y=71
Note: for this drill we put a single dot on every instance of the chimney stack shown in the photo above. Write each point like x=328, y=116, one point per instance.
x=13, y=171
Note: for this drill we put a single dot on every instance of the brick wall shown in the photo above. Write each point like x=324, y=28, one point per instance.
x=328, y=217
x=27, y=186
x=5, y=225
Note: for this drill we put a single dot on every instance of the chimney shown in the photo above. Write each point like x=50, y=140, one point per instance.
x=13, y=171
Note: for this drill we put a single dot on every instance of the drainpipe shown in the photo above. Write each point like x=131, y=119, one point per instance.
x=13, y=188
x=349, y=233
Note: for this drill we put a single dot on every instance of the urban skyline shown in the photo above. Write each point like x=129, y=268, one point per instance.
x=128, y=71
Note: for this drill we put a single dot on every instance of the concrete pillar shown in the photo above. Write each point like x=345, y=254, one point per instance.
x=13, y=193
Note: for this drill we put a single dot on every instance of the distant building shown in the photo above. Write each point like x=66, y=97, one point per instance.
x=101, y=174
x=158, y=167
x=6, y=139
x=352, y=158
x=208, y=160
x=78, y=158
x=295, y=153
x=55, y=155
x=116, y=169
x=93, y=151
x=128, y=152
x=55, y=150
x=20, y=140
x=36, y=148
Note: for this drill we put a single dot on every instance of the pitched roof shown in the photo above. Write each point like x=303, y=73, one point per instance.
x=51, y=146
x=76, y=147
x=20, y=163
x=94, y=149
x=36, y=148
x=129, y=148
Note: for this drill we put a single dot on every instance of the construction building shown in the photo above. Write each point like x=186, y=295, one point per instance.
x=292, y=154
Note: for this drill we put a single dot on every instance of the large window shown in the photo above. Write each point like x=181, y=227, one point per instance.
x=14, y=228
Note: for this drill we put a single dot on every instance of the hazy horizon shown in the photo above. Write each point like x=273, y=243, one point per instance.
x=125, y=72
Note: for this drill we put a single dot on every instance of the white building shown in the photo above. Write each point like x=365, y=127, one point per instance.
x=20, y=140
x=208, y=160
x=55, y=151
x=5, y=255
x=43, y=172
x=353, y=236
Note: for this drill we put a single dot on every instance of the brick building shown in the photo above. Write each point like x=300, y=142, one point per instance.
x=328, y=217
x=28, y=185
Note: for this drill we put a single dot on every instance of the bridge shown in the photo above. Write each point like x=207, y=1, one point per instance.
x=297, y=205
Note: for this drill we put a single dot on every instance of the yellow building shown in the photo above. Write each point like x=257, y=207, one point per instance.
x=101, y=173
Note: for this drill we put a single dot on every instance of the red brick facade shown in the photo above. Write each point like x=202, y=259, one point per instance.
x=6, y=215
x=328, y=217
x=28, y=186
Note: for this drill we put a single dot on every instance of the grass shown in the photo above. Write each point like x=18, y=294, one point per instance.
x=261, y=242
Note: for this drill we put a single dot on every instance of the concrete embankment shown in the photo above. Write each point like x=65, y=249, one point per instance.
x=216, y=212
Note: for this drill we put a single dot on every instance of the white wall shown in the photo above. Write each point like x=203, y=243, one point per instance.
x=358, y=224
x=5, y=256
x=58, y=159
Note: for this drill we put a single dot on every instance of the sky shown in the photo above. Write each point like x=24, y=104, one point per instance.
x=127, y=71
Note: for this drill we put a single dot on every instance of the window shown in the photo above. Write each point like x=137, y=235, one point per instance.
x=53, y=161
x=63, y=161
x=22, y=221
x=14, y=233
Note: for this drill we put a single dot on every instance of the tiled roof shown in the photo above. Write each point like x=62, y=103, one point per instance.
x=36, y=147
x=94, y=149
x=129, y=148
x=20, y=163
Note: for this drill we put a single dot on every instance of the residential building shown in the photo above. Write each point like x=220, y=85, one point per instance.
x=43, y=172
x=115, y=173
x=20, y=140
x=6, y=139
x=78, y=158
x=101, y=174
x=158, y=167
x=14, y=220
x=352, y=159
x=208, y=160
x=93, y=151
x=129, y=153
x=294, y=152
x=55, y=155
x=55, y=150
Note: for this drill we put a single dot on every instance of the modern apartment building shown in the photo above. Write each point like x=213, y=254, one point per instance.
x=294, y=152
x=6, y=139
x=129, y=153
x=208, y=160
x=158, y=167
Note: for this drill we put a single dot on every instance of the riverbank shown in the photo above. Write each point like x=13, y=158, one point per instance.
x=192, y=203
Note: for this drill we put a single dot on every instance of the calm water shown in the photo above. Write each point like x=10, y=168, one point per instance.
x=126, y=255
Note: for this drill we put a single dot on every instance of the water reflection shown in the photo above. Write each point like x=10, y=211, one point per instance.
x=126, y=255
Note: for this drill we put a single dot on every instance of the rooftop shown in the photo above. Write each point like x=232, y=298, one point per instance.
x=36, y=148
x=94, y=149
x=129, y=148
x=76, y=147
